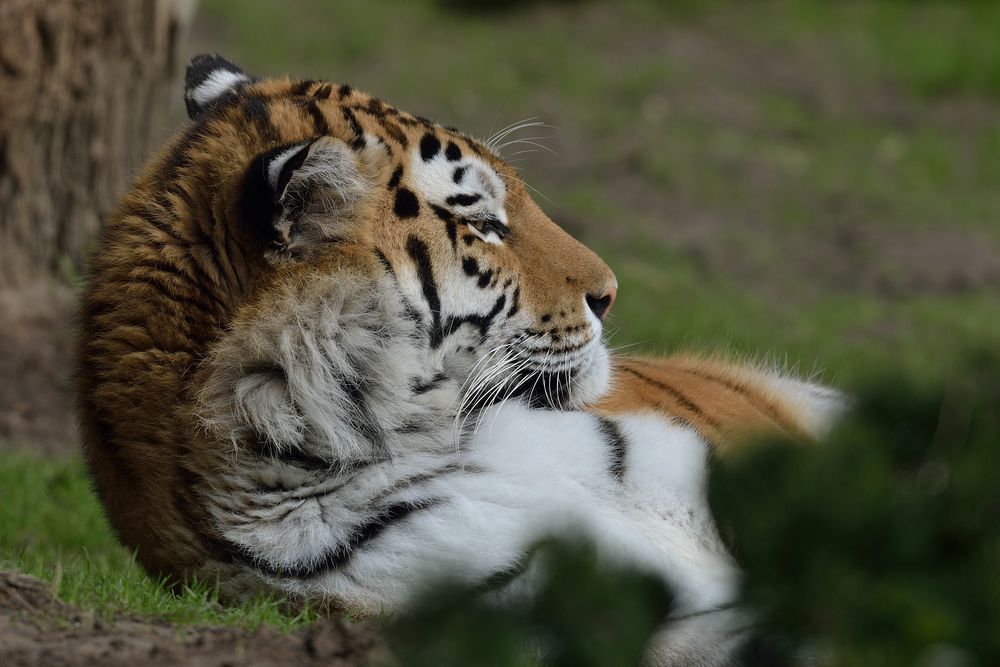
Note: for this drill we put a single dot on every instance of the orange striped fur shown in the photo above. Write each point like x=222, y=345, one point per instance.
x=727, y=403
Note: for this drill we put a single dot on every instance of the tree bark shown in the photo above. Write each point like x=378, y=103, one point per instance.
x=84, y=88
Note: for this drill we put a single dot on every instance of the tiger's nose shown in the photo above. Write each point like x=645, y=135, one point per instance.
x=600, y=305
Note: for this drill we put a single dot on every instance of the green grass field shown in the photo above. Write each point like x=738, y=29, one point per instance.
x=811, y=182
x=51, y=527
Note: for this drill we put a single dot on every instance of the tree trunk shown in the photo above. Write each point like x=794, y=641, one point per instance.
x=84, y=86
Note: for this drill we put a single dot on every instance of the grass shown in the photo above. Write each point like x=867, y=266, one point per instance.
x=781, y=123
x=52, y=527
x=843, y=338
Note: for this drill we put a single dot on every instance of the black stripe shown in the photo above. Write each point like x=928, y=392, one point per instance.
x=264, y=448
x=150, y=280
x=476, y=148
x=751, y=396
x=302, y=87
x=300, y=459
x=515, y=305
x=409, y=312
x=420, y=478
x=360, y=416
x=256, y=111
x=681, y=399
x=320, y=125
x=361, y=535
x=418, y=387
x=482, y=322
x=358, y=142
x=397, y=176
x=180, y=155
x=450, y=225
x=390, y=128
x=407, y=119
x=385, y=146
x=230, y=250
x=462, y=200
x=296, y=493
x=564, y=349
x=420, y=254
x=344, y=91
x=323, y=91
x=380, y=256
x=406, y=205
x=618, y=447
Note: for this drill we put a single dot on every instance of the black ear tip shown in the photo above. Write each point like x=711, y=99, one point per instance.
x=203, y=65
x=209, y=77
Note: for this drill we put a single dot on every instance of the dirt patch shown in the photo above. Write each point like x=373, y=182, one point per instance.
x=36, y=339
x=37, y=629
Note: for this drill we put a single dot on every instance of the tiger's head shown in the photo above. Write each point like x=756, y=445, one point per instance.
x=311, y=168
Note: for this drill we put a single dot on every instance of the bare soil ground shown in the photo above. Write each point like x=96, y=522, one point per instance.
x=38, y=629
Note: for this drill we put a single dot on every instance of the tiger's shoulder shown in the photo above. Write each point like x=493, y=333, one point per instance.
x=726, y=402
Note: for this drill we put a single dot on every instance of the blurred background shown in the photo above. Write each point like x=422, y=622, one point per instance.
x=812, y=182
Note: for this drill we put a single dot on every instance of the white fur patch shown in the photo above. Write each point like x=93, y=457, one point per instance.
x=434, y=179
x=278, y=163
x=816, y=408
x=217, y=84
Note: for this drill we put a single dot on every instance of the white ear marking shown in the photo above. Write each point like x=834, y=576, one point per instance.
x=208, y=79
x=216, y=85
x=277, y=163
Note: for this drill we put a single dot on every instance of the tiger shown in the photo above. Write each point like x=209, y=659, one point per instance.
x=333, y=351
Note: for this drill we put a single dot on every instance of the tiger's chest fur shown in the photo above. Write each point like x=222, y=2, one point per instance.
x=351, y=451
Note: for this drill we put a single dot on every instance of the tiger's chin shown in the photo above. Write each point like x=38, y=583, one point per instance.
x=568, y=387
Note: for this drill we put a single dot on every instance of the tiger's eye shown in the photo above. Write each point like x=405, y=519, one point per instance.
x=491, y=224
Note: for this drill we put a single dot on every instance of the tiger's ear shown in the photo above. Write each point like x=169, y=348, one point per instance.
x=209, y=78
x=300, y=194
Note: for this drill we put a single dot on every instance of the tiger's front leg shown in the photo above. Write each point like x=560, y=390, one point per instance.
x=372, y=537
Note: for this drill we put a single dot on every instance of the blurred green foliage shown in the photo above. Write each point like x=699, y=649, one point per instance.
x=584, y=615
x=880, y=547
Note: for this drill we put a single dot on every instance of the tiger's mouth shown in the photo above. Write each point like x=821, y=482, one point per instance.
x=566, y=378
